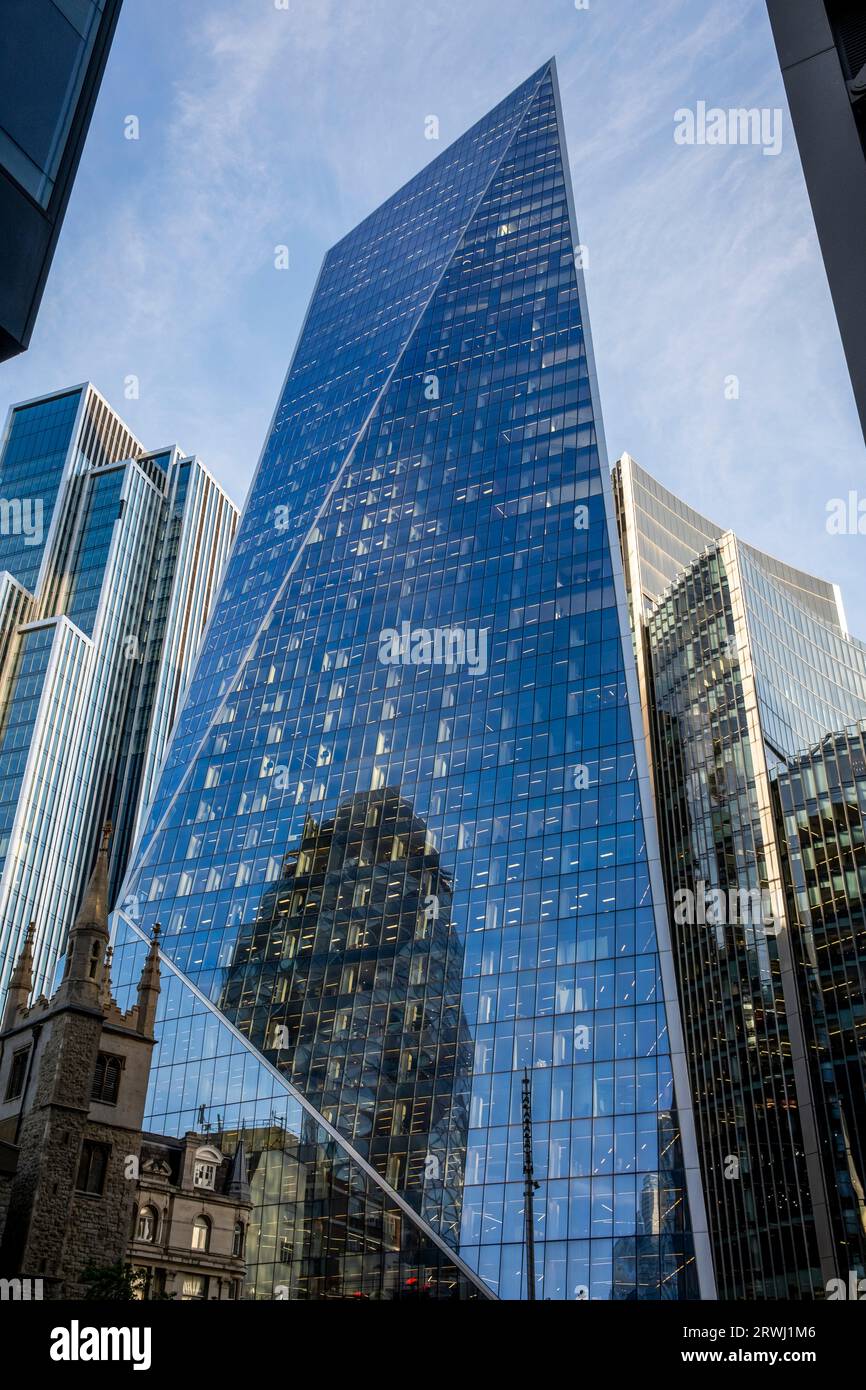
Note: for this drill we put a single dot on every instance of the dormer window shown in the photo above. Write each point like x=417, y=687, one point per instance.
x=205, y=1174
x=207, y=1162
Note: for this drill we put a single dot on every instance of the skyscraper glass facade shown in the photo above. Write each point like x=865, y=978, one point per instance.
x=197, y=527
x=90, y=529
x=821, y=805
x=35, y=451
x=401, y=847
x=743, y=661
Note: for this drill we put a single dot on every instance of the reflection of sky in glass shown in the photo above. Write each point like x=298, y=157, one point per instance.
x=747, y=664
x=473, y=502
x=33, y=458
x=320, y=1226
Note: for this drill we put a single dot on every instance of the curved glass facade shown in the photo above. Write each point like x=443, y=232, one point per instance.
x=401, y=847
x=821, y=804
x=743, y=661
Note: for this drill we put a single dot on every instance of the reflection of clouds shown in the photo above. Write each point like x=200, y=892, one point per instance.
x=262, y=127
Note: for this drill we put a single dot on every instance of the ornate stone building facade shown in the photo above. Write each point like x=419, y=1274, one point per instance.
x=189, y=1236
x=79, y=1184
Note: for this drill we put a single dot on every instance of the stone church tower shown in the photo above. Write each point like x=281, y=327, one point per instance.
x=73, y=1079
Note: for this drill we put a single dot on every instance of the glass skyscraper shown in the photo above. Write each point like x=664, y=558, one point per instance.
x=110, y=559
x=402, y=845
x=821, y=805
x=745, y=663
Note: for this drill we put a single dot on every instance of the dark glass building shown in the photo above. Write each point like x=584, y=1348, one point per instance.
x=743, y=662
x=822, y=51
x=52, y=57
x=402, y=846
x=821, y=805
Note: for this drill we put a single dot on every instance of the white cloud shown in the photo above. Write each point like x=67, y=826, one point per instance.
x=262, y=126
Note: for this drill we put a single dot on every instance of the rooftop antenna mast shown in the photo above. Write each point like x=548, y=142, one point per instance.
x=529, y=1185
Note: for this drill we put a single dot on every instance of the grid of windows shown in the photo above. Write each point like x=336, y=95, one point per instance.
x=46, y=50
x=197, y=531
x=415, y=688
x=34, y=455
x=821, y=804
x=744, y=661
x=127, y=556
x=20, y=707
x=101, y=511
x=735, y=1012
x=373, y=285
x=321, y=1225
x=349, y=980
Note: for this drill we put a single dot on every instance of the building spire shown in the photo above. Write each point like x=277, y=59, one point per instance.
x=21, y=980
x=93, y=912
x=238, y=1182
x=149, y=987
x=88, y=939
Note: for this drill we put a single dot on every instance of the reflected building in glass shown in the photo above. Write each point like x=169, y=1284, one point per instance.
x=744, y=662
x=350, y=981
x=109, y=560
x=402, y=845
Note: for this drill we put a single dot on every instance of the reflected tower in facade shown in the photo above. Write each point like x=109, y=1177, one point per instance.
x=350, y=981
x=425, y=607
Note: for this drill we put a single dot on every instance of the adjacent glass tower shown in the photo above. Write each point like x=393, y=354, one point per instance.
x=109, y=561
x=402, y=845
x=745, y=662
x=821, y=805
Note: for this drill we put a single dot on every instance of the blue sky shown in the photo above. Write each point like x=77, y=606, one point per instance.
x=262, y=126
